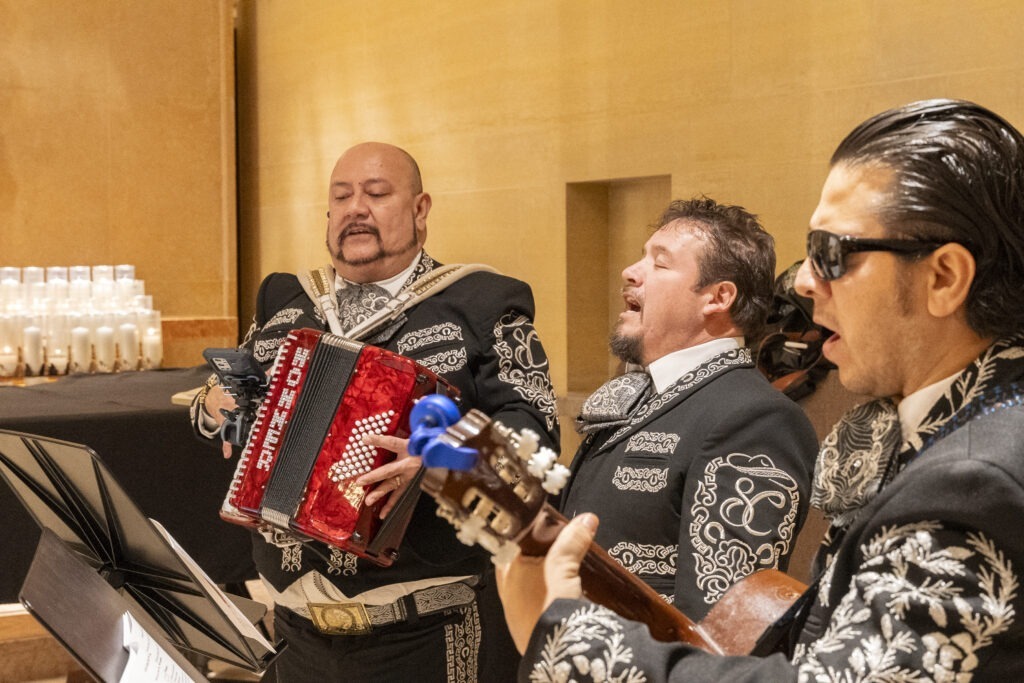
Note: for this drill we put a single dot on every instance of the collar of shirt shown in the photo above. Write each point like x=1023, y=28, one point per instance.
x=915, y=407
x=393, y=284
x=667, y=370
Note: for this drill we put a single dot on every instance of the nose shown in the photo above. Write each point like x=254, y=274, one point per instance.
x=631, y=274
x=356, y=206
x=806, y=282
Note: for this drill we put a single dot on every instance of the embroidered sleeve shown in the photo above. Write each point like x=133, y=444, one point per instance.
x=511, y=372
x=925, y=599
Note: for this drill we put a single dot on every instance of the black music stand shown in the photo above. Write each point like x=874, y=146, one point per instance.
x=70, y=493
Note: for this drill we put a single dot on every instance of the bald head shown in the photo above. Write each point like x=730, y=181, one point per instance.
x=390, y=155
x=377, y=212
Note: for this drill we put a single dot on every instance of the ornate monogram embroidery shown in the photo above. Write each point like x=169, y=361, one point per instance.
x=589, y=642
x=286, y=316
x=737, y=502
x=645, y=558
x=663, y=443
x=521, y=363
x=962, y=600
x=445, y=361
x=462, y=646
x=646, y=479
x=445, y=332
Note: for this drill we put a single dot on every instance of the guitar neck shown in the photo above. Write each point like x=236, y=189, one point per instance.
x=607, y=583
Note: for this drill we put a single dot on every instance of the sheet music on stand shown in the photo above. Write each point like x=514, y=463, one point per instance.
x=96, y=540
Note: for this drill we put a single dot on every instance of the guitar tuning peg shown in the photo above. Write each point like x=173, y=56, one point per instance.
x=555, y=478
x=529, y=440
x=469, y=532
x=540, y=462
x=504, y=554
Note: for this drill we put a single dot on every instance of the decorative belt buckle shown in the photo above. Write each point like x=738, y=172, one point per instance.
x=340, y=618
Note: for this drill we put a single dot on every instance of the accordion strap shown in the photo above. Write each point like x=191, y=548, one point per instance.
x=319, y=286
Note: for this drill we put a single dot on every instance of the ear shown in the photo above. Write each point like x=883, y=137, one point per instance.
x=422, y=205
x=721, y=296
x=951, y=272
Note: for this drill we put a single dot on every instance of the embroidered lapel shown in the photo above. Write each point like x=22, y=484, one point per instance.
x=680, y=391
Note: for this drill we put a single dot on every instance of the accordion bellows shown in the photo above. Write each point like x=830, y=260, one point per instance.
x=298, y=468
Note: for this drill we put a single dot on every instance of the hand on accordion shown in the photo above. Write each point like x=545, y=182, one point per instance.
x=395, y=476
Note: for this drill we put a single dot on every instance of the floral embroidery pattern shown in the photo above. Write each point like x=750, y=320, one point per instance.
x=588, y=642
x=522, y=364
x=740, y=495
x=646, y=479
x=957, y=597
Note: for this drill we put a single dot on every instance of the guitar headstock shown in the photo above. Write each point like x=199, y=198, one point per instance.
x=489, y=481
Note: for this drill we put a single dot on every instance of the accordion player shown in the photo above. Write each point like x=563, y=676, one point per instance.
x=305, y=450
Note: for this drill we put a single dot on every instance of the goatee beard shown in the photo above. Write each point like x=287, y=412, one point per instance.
x=626, y=349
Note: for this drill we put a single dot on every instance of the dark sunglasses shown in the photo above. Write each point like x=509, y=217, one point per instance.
x=827, y=252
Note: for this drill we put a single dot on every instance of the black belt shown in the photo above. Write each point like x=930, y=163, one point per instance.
x=355, y=618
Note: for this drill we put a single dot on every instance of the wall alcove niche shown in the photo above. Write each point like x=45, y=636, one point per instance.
x=607, y=223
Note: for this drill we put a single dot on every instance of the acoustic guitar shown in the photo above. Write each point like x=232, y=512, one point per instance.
x=492, y=483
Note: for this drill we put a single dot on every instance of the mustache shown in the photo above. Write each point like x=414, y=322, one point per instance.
x=362, y=227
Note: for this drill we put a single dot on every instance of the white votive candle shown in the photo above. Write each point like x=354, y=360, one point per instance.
x=8, y=361
x=32, y=349
x=129, y=346
x=81, y=349
x=152, y=351
x=104, y=349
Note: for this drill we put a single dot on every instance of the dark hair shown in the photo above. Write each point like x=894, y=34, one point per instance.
x=736, y=249
x=959, y=176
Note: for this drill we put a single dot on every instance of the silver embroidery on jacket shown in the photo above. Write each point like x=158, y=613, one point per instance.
x=286, y=316
x=417, y=339
x=645, y=558
x=938, y=624
x=726, y=523
x=446, y=361
x=264, y=350
x=588, y=643
x=662, y=443
x=522, y=364
x=646, y=479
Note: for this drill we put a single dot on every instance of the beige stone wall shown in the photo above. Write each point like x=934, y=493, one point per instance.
x=507, y=102
x=117, y=146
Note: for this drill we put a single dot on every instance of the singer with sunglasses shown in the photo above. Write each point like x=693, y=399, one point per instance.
x=915, y=262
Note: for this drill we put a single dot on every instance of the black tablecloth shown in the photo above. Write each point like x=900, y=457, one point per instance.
x=147, y=443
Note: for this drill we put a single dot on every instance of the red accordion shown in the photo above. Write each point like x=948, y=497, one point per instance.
x=298, y=468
